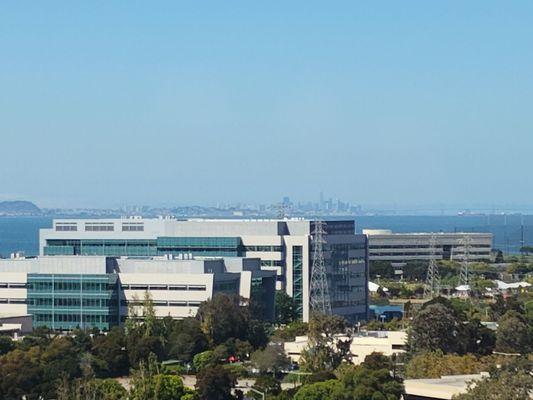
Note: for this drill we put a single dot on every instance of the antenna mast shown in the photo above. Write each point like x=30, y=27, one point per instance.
x=319, y=299
x=432, y=287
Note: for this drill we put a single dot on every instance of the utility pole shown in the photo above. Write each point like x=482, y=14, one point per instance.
x=432, y=287
x=319, y=299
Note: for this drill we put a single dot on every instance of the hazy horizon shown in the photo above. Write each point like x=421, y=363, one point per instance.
x=394, y=104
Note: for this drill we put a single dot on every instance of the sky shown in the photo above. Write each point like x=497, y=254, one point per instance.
x=108, y=103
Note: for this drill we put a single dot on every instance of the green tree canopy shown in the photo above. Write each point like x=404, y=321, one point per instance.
x=285, y=308
x=271, y=359
x=215, y=383
x=514, y=335
x=505, y=386
x=435, y=327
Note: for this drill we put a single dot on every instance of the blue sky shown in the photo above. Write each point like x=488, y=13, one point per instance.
x=412, y=102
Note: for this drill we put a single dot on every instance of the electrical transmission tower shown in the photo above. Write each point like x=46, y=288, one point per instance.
x=432, y=287
x=319, y=299
x=466, y=241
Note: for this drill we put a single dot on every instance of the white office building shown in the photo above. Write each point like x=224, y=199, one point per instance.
x=284, y=246
x=65, y=292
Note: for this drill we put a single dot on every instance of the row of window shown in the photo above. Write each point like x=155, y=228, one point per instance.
x=263, y=248
x=351, y=289
x=13, y=301
x=62, y=286
x=424, y=246
x=426, y=254
x=49, y=319
x=164, y=287
x=132, y=227
x=162, y=303
x=99, y=226
x=72, y=302
x=271, y=263
x=10, y=285
x=66, y=227
x=347, y=303
x=351, y=261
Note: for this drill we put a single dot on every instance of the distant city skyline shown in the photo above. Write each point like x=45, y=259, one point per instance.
x=394, y=104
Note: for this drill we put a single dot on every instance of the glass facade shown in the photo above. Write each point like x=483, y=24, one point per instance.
x=347, y=266
x=297, y=279
x=66, y=302
x=201, y=246
x=198, y=246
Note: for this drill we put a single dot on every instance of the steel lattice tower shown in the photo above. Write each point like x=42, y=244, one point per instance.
x=319, y=299
x=464, y=277
x=432, y=287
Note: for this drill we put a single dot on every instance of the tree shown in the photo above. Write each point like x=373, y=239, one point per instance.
x=325, y=352
x=149, y=383
x=323, y=327
x=513, y=334
x=109, y=389
x=271, y=359
x=222, y=318
x=140, y=348
x=499, y=257
x=214, y=383
x=436, y=364
x=203, y=360
x=434, y=328
x=505, y=386
x=285, y=308
x=89, y=389
x=21, y=374
x=372, y=384
x=6, y=345
x=185, y=339
x=266, y=384
x=289, y=332
x=159, y=386
x=111, y=349
x=475, y=338
x=59, y=358
x=328, y=390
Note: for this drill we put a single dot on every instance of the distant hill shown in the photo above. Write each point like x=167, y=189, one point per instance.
x=14, y=208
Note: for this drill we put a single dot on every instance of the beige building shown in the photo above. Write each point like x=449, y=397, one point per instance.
x=363, y=344
x=443, y=388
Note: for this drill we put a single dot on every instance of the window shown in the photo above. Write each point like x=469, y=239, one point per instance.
x=158, y=287
x=139, y=287
x=17, y=285
x=66, y=226
x=196, y=287
x=177, y=287
x=99, y=226
x=132, y=227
